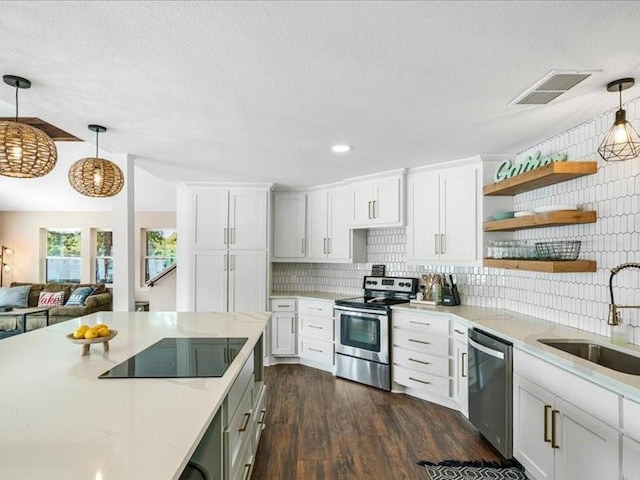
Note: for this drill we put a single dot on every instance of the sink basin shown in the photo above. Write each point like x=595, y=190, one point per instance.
x=607, y=357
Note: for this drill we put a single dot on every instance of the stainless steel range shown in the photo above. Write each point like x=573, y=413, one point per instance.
x=363, y=330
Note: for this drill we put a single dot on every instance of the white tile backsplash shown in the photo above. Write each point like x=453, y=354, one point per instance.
x=580, y=300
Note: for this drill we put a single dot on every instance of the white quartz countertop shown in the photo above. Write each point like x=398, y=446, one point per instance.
x=524, y=331
x=312, y=295
x=59, y=421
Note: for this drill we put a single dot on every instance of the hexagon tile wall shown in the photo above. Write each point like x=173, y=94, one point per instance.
x=579, y=300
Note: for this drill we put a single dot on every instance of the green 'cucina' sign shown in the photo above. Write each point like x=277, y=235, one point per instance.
x=508, y=169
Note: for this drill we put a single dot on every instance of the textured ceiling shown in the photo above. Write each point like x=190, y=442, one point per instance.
x=259, y=91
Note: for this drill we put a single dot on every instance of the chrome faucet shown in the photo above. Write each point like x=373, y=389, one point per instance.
x=614, y=316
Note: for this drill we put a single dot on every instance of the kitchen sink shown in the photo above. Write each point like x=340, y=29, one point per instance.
x=607, y=357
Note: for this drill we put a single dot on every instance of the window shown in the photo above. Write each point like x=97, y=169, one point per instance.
x=63, y=263
x=104, y=256
x=160, y=251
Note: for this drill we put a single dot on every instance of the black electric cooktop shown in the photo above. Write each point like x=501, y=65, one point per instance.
x=180, y=358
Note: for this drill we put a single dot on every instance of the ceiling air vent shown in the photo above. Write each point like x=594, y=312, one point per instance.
x=551, y=86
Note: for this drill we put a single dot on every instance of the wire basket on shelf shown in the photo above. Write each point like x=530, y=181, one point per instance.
x=560, y=250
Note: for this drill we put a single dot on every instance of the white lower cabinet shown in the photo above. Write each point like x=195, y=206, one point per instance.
x=460, y=366
x=316, y=333
x=430, y=357
x=559, y=440
x=283, y=327
x=225, y=280
x=228, y=447
x=631, y=440
x=630, y=459
x=421, y=355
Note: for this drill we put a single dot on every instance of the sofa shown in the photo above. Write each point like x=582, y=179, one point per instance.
x=100, y=300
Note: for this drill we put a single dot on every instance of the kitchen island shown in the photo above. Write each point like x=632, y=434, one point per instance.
x=59, y=421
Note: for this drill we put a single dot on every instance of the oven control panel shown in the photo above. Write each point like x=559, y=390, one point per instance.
x=391, y=284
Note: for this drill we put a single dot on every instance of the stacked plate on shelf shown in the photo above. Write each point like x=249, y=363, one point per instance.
x=524, y=213
x=555, y=208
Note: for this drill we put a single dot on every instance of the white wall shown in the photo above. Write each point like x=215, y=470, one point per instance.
x=22, y=232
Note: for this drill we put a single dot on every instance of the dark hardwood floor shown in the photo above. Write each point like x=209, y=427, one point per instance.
x=319, y=427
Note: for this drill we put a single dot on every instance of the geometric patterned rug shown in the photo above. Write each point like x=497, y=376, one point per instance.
x=478, y=470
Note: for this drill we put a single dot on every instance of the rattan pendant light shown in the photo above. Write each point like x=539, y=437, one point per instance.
x=25, y=151
x=96, y=177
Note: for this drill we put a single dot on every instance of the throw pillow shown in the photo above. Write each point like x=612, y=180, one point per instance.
x=51, y=299
x=15, y=296
x=79, y=295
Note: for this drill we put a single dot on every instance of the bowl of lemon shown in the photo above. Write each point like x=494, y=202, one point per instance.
x=86, y=336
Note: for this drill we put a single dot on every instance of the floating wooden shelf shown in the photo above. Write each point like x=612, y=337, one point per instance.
x=540, y=220
x=548, y=266
x=541, y=177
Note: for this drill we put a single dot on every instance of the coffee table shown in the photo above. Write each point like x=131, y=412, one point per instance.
x=22, y=313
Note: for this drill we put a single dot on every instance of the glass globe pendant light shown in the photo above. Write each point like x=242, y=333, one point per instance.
x=95, y=176
x=25, y=151
x=621, y=141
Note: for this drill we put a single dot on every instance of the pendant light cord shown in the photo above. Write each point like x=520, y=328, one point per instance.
x=97, y=140
x=16, y=103
x=620, y=92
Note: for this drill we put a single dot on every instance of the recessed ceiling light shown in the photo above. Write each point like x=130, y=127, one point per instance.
x=341, y=148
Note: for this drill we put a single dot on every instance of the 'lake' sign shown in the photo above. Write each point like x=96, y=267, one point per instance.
x=508, y=169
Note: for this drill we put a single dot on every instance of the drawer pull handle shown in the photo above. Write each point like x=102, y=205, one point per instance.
x=546, y=424
x=419, y=381
x=262, y=414
x=315, y=308
x=284, y=306
x=244, y=426
x=247, y=470
x=419, y=323
x=419, y=341
x=553, y=429
x=315, y=326
x=463, y=371
x=459, y=331
x=419, y=361
x=316, y=350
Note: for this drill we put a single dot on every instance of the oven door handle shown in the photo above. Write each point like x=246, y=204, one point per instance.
x=487, y=350
x=370, y=313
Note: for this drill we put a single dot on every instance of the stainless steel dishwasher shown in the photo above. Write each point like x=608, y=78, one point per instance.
x=491, y=389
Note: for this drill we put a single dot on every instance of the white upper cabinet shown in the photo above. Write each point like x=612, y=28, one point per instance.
x=210, y=217
x=338, y=219
x=328, y=235
x=423, y=217
x=229, y=218
x=247, y=219
x=378, y=202
x=443, y=222
x=317, y=211
x=458, y=221
x=289, y=227
x=316, y=227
